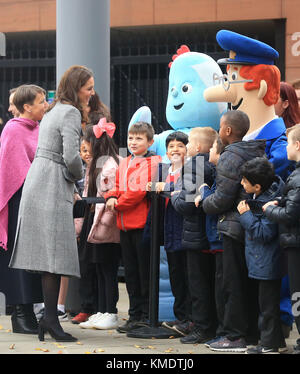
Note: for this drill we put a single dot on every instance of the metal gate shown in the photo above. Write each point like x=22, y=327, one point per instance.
x=139, y=63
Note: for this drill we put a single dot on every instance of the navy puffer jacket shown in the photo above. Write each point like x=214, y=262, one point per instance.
x=264, y=257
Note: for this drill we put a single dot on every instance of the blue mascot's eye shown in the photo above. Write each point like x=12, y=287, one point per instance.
x=187, y=88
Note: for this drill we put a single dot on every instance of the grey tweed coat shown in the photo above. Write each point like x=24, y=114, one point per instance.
x=45, y=237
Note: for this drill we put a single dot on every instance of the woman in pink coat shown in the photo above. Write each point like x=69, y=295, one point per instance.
x=19, y=140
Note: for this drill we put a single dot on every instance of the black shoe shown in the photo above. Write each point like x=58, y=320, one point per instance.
x=23, y=319
x=195, y=336
x=59, y=336
x=296, y=349
x=184, y=328
x=262, y=350
x=129, y=325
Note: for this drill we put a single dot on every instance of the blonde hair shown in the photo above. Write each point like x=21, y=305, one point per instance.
x=204, y=136
x=295, y=132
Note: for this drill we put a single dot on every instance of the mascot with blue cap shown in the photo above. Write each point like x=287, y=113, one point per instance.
x=252, y=85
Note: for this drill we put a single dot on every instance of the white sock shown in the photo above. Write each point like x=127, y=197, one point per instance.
x=37, y=307
x=61, y=308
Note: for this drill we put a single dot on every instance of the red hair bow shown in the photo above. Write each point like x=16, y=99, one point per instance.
x=103, y=126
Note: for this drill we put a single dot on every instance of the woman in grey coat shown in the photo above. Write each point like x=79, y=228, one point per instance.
x=45, y=239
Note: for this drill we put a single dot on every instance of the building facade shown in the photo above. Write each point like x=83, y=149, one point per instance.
x=144, y=36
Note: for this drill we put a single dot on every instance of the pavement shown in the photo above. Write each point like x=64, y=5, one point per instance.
x=104, y=342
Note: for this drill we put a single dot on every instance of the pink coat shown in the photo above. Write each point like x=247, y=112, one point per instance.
x=19, y=140
x=104, y=228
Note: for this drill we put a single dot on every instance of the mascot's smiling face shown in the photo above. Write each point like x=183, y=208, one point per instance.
x=190, y=74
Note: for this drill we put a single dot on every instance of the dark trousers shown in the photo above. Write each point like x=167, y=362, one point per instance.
x=219, y=292
x=108, y=290
x=201, y=276
x=294, y=279
x=136, y=259
x=269, y=322
x=241, y=305
x=177, y=264
x=88, y=287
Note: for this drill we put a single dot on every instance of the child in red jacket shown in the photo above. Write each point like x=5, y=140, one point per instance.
x=129, y=199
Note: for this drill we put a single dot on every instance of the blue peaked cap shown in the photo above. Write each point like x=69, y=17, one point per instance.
x=246, y=51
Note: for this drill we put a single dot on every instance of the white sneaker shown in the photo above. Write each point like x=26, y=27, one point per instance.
x=107, y=322
x=89, y=323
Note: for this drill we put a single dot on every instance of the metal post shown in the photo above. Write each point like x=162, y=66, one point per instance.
x=154, y=330
x=83, y=38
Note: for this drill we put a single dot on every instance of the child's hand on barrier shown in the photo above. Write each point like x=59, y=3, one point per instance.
x=197, y=200
x=243, y=207
x=269, y=203
x=111, y=203
x=76, y=197
x=149, y=186
x=159, y=187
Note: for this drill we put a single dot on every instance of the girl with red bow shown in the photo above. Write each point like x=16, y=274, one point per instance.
x=99, y=248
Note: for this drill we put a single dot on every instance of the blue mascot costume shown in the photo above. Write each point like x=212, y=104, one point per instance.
x=190, y=74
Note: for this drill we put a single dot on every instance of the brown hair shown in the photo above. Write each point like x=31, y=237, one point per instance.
x=71, y=82
x=26, y=94
x=142, y=128
x=290, y=115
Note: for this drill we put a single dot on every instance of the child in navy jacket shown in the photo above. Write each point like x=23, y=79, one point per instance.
x=264, y=257
x=173, y=225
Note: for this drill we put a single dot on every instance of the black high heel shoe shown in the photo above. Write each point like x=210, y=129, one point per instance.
x=59, y=337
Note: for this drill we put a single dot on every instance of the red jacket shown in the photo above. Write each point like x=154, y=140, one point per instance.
x=130, y=190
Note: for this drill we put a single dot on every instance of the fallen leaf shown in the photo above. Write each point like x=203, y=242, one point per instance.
x=169, y=350
x=151, y=347
x=8, y=330
x=60, y=352
x=61, y=346
x=171, y=337
x=100, y=350
x=1, y=327
x=45, y=350
x=12, y=346
x=137, y=346
x=190, y=352
x=87, y=352
x=79, y=343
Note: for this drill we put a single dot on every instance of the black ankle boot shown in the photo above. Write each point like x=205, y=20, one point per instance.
x=23, y=319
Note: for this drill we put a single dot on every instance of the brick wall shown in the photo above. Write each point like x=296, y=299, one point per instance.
x=35, y=15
